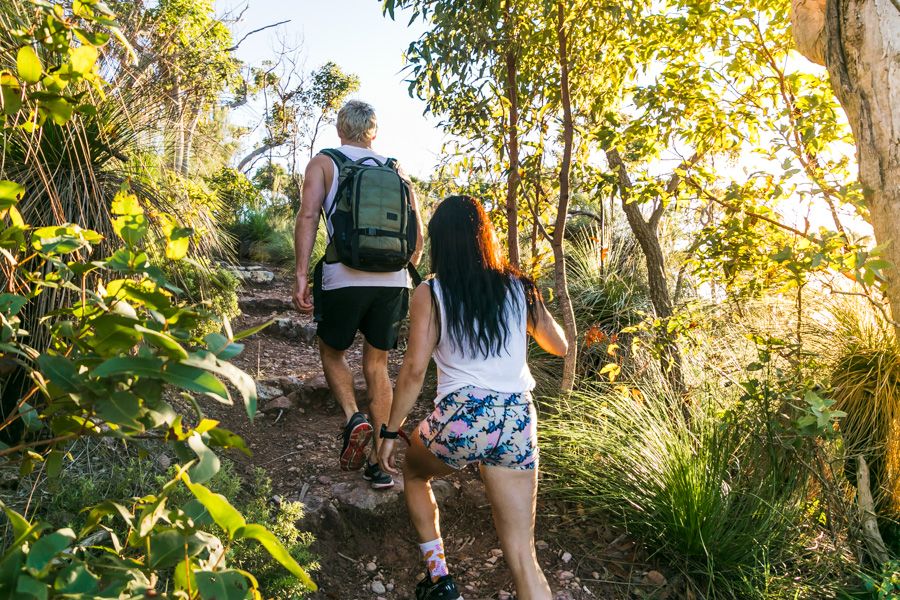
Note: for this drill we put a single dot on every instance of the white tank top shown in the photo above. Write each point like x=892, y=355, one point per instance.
x=506, y=372
x=339, y=275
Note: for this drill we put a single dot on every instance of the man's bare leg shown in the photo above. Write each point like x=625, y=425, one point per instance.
x=339, y=377
x=379, y=391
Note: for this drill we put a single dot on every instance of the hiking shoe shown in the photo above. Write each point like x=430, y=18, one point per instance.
x=442, y=589
x=357, y=434
x=378, y=478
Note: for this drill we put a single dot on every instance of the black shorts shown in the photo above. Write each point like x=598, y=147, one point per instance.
x=375, y=311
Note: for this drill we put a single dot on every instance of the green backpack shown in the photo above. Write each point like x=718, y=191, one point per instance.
x=373, y=223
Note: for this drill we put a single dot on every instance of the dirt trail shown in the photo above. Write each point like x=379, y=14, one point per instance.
x=366, y=545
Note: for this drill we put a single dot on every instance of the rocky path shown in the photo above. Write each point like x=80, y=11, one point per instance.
x=366, y=546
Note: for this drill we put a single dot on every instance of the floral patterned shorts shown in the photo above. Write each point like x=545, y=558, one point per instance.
x=477, y=425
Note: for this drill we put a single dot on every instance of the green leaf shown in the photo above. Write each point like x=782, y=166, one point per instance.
x=11, y=304
x=114, y=334
x=98, y=39
x=227, y=439
x=58, y=109
x=223, y=513
x=150, y=517
x=59, y=239
x=208, y=465
x=219, y=345
x=178, y=242
x=29, y=65
x=125, y=203
x=30, y=418
x=129, y=365
x=195, y=510
x=54, y=463
x=277, y=550
x=20, y=524
x=83, y=59
x=108, y=507
x=242, y=381
x=76, y=579
x=131, y=228
x=196, y=380
x=10, y=194
x=222, y=585
x=163, y=341
x=166, y=548
x=28, y=587
x=122, y=408
x=46, y=548
x=10, y=93
x=61, y=372
x=251, y=331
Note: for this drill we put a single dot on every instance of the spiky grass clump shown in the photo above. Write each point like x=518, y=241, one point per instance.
x=865, y=383
x=701, y=489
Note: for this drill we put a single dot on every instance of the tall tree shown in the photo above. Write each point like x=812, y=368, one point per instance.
x=859, y=42
x=190, y=53
x=298, y=105
x=477, y=58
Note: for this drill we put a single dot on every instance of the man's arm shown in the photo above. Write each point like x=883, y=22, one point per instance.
x=305, y=228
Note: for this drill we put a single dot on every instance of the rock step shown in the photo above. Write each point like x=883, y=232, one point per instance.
x=265, y=304
x=251, y=273
x=287, y=393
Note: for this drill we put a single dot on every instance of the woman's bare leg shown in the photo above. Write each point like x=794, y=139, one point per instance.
x=419, y=467
x=513, y=497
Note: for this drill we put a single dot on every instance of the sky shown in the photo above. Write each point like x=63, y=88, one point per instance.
x=355, y=35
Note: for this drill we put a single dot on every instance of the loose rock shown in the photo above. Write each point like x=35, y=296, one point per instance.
x=276, y=404
x=378, y=587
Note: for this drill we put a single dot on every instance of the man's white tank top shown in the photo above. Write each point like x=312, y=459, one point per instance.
x=507, y=372
x=339, y=275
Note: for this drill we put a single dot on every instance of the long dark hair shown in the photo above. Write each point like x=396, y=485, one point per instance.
x=475, y=278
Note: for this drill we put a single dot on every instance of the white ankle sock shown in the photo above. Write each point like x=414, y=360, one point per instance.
x=435, y=561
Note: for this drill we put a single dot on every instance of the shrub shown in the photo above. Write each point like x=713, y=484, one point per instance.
x=213, y=287
x=701, y=487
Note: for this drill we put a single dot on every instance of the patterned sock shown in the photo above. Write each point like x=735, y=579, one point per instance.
x=433, y=553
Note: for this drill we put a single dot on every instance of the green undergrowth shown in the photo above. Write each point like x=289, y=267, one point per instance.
x=118, y=472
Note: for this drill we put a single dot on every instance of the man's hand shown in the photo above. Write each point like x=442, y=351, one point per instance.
x=386, y=457
x=302, y=295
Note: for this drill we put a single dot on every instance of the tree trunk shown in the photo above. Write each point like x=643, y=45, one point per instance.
x=513, y=179
x=863, y=60
x=808, y=23
x=647, y=236
x=862, y=52
x=187, y=150
x=562, y=213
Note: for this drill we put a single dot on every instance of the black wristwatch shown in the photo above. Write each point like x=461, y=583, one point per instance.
x=388, y=435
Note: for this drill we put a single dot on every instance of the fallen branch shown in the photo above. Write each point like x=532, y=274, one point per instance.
x=871, y=534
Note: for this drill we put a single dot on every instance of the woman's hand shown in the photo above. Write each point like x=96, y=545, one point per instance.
x=386, y=457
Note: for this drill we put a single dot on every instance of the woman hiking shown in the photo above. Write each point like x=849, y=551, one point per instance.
x=474, y=317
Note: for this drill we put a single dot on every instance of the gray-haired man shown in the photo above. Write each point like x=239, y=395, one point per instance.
x=351, y=300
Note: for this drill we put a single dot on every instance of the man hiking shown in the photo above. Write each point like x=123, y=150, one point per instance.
x=362, y=283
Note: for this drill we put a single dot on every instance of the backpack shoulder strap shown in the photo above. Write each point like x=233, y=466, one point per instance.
x=340, y=159
x=337, y=156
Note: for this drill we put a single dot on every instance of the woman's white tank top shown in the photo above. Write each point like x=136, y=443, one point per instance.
x=506, y=372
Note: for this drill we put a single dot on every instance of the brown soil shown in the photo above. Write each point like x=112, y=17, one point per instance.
x=299, y=450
